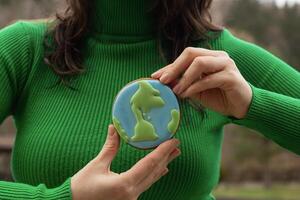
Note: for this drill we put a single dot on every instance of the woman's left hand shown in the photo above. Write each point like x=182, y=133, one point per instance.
x=211, y=77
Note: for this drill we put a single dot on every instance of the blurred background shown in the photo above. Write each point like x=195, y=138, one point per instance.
x=253, y=168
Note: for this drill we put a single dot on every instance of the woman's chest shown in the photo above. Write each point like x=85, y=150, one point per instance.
x=60, y=129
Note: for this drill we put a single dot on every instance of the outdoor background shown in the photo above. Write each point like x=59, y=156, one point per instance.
x=253, y=168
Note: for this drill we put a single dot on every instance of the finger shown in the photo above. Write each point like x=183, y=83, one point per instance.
x=159, y=72
x=175, y=153
x=149, y=182
x=173, y=83
x=148, y=164
x=109, y=149
x=158, y=173
x=184, y=61
x=200, y=65
x=157, y=75
x=209, y=82
x=165, y=171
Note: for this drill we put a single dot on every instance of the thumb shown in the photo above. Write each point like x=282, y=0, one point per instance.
x=109, y=149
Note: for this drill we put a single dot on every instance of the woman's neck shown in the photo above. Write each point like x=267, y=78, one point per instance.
x=121, y=18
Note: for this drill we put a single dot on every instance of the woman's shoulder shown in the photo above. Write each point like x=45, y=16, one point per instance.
x=25, y=31
x=27, y=25
x=21, y=48
x=233, y=42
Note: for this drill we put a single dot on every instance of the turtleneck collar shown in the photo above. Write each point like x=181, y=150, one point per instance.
x=121, y=18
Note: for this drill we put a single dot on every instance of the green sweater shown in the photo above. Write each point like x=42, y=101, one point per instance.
x=60, y=130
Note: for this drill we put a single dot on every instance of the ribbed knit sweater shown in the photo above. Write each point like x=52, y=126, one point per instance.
x=60, y=130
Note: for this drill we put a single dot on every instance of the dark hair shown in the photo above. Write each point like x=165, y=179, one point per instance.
x=180, y=23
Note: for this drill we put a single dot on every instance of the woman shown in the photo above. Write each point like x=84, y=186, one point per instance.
x=94, y=50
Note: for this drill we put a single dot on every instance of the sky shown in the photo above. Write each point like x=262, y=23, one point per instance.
x=282, y=2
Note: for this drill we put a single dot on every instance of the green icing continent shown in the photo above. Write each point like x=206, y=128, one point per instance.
x=120, y=130
x=144, y=99
x=173, y=124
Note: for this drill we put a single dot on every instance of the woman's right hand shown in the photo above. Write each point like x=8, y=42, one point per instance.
x=96, y=182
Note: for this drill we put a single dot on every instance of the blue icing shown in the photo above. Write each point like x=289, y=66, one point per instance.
x=159, y=117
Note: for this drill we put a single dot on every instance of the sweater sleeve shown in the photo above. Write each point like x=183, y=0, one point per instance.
x=275, y=106
x=9, y=191
x=15, y=66
x=13, y=54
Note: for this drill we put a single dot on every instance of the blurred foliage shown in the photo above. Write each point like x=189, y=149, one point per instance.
x=12, y=10
x=248, y=156
x=257, y=192
x=275, y=28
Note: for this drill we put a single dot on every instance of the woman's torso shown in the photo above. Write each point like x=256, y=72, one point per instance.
x=61, y=130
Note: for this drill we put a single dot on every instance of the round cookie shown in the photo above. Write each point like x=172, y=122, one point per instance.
x=146, y=113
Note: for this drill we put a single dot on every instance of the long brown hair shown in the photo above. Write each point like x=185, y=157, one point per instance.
x=180, y=23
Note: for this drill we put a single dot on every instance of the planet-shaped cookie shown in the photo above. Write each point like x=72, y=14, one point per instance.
x=146, y=113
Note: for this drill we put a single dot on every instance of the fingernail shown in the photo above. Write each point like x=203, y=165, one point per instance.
x=183, y=95
x=156, y=74
x=111, y=131
x=165, y=172
x=164, y=78
x=178, y=152
x=180, y=91
x=176, y=89
x=177, y=142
